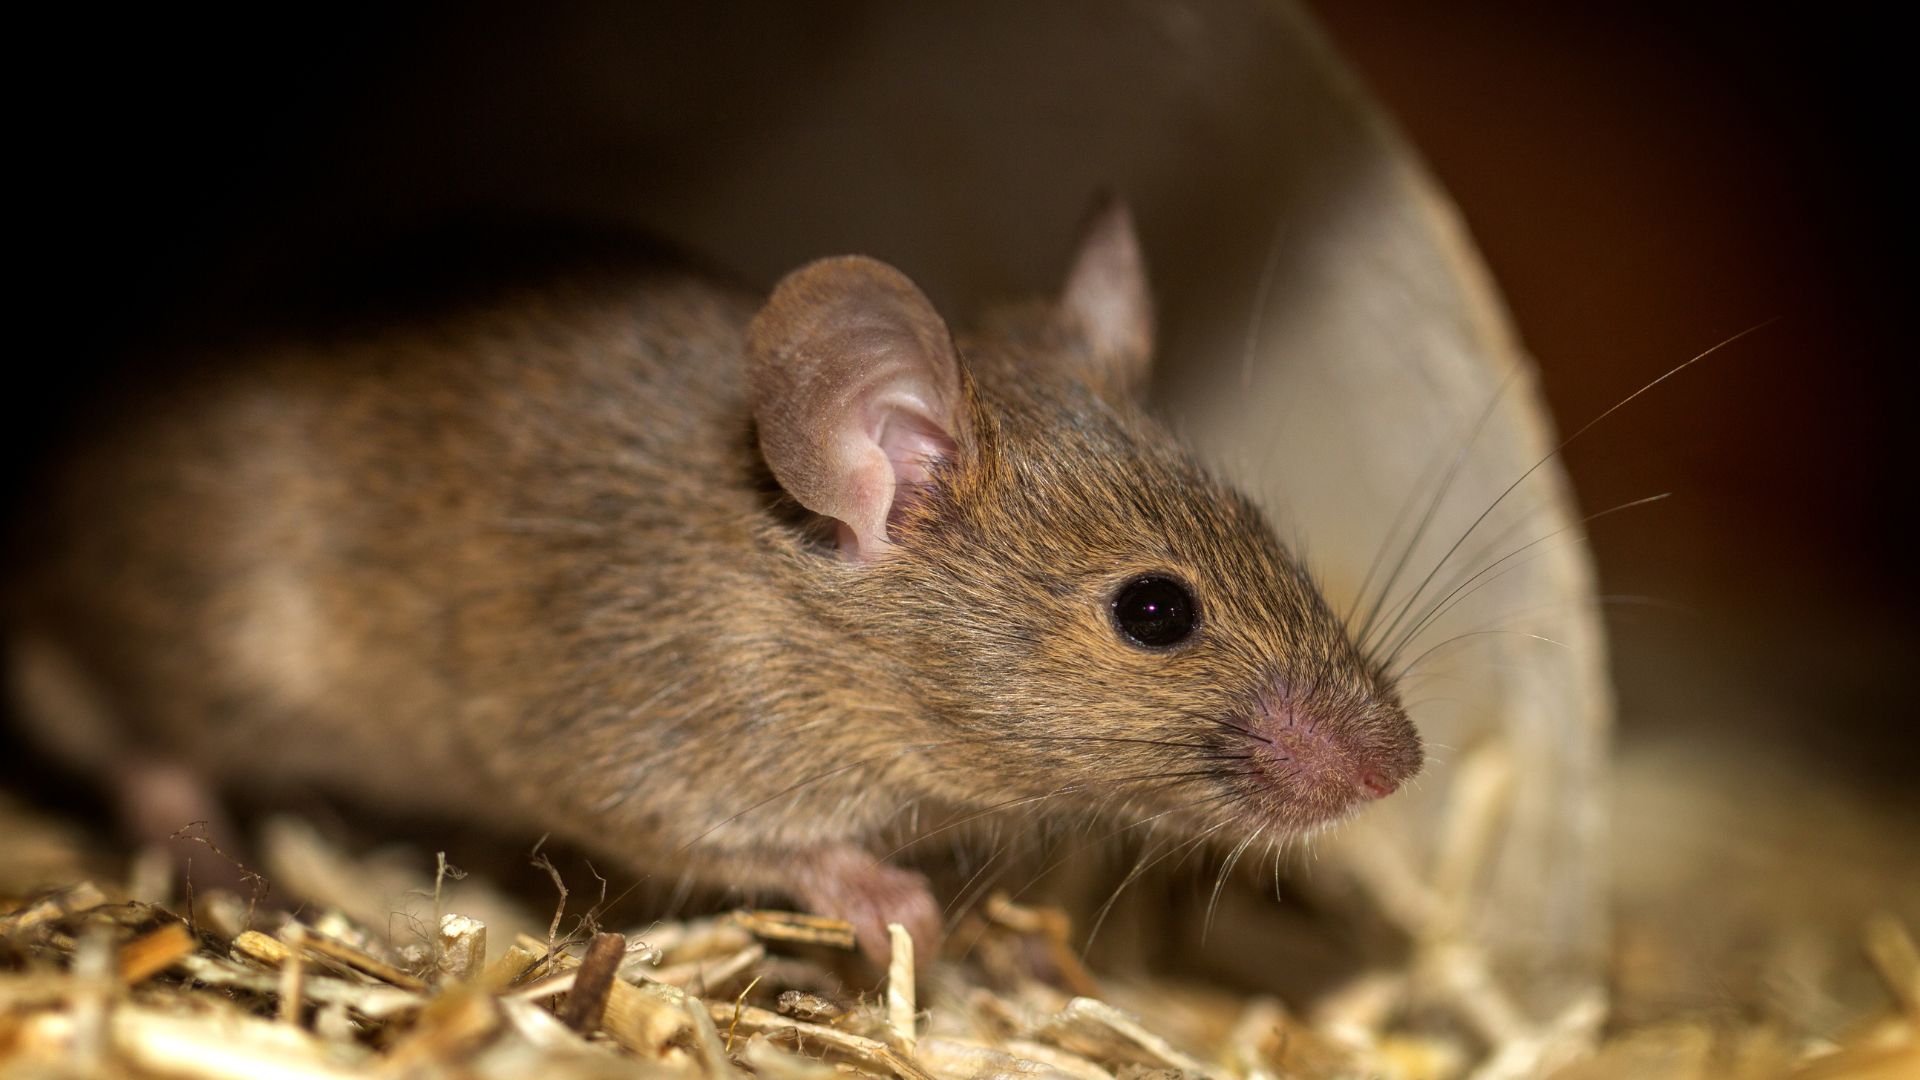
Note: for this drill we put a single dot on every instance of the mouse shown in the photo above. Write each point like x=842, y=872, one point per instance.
x=708, y=581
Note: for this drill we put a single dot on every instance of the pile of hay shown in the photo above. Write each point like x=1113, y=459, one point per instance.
x=454, y=982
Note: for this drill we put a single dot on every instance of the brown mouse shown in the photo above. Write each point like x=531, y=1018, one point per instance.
x=715, y=585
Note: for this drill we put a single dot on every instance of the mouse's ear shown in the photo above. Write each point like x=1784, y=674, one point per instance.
x=1106, y=303
x=856, y=393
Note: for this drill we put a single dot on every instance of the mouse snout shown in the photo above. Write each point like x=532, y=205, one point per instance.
x=1323, y=759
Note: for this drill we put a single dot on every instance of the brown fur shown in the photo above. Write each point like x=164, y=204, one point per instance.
x=528, y=564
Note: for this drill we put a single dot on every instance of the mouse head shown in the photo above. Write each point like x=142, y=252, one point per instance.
x=1076, y=610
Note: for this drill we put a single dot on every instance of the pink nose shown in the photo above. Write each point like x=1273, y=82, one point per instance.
x=1376, y=785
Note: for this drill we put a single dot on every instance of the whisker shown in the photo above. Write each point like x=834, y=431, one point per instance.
x=1474, y=634
x=967, y=819
x=1109, y=836
x=1227, y=725
x=1262, y=301
x=981, y=814
x=1440, y=607
x=1220, y=881
x=962, y=898
x=1139, y=869
x=1556, y=451
x=1433, y=506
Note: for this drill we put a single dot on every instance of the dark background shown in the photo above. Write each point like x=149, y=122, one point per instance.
x=1644, y=181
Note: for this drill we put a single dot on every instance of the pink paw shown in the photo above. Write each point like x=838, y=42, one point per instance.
x=847, y=883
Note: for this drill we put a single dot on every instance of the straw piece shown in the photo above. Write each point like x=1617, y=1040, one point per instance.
x=370, y=1000
x=796, y=927
x=463, y=947
x=361, y=961
x=93, y=961
x=1539, y=1051
x=1053, y=1057
x=645, y=1019
x=220, y=1045
x=546, y=986
x=772, y=1063
x=706, y=1037
x=540, y=1027
x=593, y=980
x=275, y=955
x=860, y=1050
x=1052, y=926
x=964, y=1058
x=705, y=976
x=333, y=1023
x=150, y=954
x=70, y=901
x=293, y=986
x=512, y=966
x=1099, y=1031
x=1478, y=798
x=901, y=1008
x=447, y=1031
x=261, y=949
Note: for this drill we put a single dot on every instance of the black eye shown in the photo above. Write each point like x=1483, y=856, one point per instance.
x=1155, y=612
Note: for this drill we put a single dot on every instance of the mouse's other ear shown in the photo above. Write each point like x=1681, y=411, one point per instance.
x=856, y=393
x=1106, y=303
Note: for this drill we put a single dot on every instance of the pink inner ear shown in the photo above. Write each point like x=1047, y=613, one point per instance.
x=911, y=447
x=914, y=446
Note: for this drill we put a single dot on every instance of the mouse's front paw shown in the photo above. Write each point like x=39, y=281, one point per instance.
x=848, y=883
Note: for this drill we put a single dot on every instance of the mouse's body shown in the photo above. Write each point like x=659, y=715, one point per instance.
x=719, y=586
